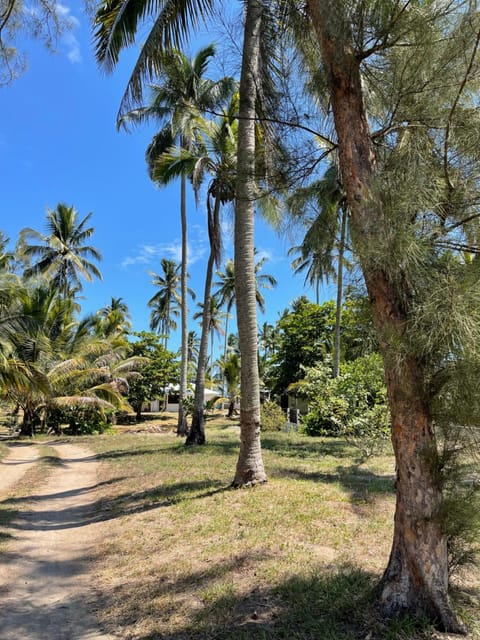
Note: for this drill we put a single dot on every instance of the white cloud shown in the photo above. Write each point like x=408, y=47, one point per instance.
x=151, y=254
x=69, y=40
x=265, y=254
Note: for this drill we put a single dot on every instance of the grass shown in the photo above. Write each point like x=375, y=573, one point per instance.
x=186, y=557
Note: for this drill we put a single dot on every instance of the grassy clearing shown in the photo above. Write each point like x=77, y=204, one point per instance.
x=186, y=557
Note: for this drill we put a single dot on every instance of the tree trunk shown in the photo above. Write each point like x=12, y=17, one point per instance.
x=27, y=427
x=225, y=344
x=182, y=427
x=197, y=430
x=250, y=469
x=338, y=309
x=416, y=579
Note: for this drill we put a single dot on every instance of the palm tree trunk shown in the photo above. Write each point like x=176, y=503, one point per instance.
x=225, y=343
x=416, y=579
x=338, y=309
x=196, y=434
x=250, y=469
x=182, y=427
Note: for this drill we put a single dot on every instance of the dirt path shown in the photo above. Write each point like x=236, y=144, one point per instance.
x=20, y=459
x=46, y=590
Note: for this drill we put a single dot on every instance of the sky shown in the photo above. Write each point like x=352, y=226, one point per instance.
x=59, y=143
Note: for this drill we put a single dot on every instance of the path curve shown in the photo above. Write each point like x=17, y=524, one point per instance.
x=20, y=458
x=46, y=589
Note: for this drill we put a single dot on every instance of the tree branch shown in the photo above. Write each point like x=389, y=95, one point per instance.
x=452, y=111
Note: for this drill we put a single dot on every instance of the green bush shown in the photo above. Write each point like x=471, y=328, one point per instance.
x=353, y=405
x=81, y=420
x=272, y=417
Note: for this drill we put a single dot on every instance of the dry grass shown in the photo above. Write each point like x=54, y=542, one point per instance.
x=186, y=557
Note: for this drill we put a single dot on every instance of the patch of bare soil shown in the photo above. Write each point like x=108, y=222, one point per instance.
x=45, y=576
x=15, y=465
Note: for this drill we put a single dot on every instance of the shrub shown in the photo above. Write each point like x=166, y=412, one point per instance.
x=353, y=405
x=81, y=420
x=271, y=417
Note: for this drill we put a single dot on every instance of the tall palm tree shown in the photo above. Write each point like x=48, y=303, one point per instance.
x=61, y=253
x=117, y=22
x=213, y=157
x=323, y=209
x=165, y=302
x=226, y=289
x=193, y=347
x=250, y=469
x=215, y=321
x=180, y=94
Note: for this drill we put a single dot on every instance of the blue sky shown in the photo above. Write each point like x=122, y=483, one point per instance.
x=58, y=143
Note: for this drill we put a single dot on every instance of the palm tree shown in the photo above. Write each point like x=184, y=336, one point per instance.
x=62, y=254
x=114, y=318
x=165, y=302
x=55, y=360
x=323, y=209
x=226, y=290
x=215, y=321
x=250, y=469
x=178, y=97
x=214, y=156
x=193, y=343
x=116, y=27
x=267, y=338
x=6, y=257
x=231, y=374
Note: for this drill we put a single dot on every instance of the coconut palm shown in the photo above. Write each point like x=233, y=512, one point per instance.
x=226, y=289
x=213, y=157
x=180, y=94
x=166, y=301
x=267, y=338
x=59, y=361
x=323, y=210
x=231, y=374
x=6, y=257
x=215, y=321
x=114, y=318
x=61, y=253
x=116, y=23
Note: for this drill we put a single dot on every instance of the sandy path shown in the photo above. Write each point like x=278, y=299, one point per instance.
x=19, y=460
x=46, y=591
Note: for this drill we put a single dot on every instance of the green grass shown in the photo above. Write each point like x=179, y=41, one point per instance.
x=187, y=557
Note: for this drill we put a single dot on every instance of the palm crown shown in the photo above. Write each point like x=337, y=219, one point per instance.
x=61, y=253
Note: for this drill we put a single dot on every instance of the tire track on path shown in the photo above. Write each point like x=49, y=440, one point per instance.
x=20, y=458
x=46, y=584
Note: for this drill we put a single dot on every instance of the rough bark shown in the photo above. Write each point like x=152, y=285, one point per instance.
x=250, y=469
x=182, y=427
x=416, y=579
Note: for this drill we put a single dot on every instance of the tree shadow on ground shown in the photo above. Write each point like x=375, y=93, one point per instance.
x=101, y=510
x=126, y=453
x=336, y=605
x=307, y=447
x=362, y=485
x=67, y=615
